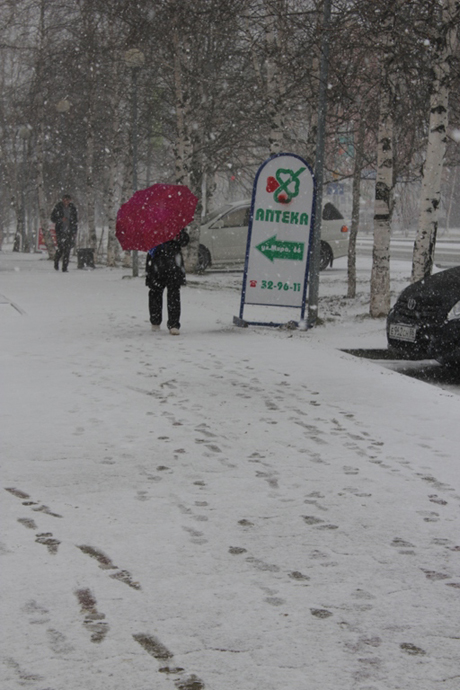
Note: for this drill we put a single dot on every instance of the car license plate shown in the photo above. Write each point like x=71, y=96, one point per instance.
x=400, y=331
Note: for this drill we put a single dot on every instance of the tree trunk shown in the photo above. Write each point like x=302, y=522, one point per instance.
x=384, y=183
x=184, y=148
x=88, y=19
x=126, y=193
x=425, y=241
x=43, y=213
x=274, y=77
x=356, y=197
x=90, y=197
x=113, y=247
x=42, y=210
x=380, y=274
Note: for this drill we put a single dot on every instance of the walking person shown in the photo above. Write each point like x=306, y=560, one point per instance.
x=164, y=268
x=65, y=218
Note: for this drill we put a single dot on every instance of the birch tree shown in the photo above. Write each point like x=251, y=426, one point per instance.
x=198, y=76
x=183, y=144
x=43, y=213
x=11, y=72
x=89, y=43
x=383, y=203
x=444, y=41
x=275, y=40
x=114, y=158
x=354, y=81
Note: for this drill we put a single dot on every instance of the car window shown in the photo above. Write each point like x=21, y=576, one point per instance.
x=330, y=212
x=237, y=218
x=213, y=214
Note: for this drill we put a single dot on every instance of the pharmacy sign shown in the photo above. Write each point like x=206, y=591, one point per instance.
x=278, y=245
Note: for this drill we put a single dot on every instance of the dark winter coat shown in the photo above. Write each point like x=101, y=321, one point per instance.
x=165, y=264
x=57, y=217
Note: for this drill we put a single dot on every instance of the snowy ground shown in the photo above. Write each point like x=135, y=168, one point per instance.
x=232, y=509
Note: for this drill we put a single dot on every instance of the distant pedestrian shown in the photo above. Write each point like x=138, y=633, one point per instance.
x=164, y=268
x=65, y=218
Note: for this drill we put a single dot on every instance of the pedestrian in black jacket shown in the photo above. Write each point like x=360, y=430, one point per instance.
x=65, y=219
x=164, y=268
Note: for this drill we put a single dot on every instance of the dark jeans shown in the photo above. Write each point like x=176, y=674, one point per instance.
x=64, y=245
x=156, y=305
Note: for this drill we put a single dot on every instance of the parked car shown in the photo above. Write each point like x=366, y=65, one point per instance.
x=425, y=321
x=223, y=235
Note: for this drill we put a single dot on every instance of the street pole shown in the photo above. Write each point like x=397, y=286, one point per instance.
x=319, y=166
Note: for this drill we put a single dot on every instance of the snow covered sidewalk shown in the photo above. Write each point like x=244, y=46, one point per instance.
x=233, y=509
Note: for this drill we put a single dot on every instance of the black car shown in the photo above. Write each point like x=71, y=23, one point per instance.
x=425, y=321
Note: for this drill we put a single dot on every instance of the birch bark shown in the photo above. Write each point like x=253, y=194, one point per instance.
x=183, y=148
x=40, y=138
x=90, y=196
x=383, y=205
x=274, y=77
x=425, y=241
x=88, y=27
x=184, y=142
x=113, y=247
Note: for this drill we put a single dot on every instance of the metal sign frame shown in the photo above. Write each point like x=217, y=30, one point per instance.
x=280, y=246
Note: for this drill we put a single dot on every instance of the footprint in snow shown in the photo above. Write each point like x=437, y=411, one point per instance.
x=320, y=613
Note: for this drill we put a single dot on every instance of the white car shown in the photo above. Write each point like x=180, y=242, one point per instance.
x=224, y=233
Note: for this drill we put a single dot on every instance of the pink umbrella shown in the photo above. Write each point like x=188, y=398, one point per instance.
x=154, y=215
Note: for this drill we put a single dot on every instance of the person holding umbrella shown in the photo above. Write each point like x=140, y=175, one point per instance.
x=153, y=220
x=164, y=268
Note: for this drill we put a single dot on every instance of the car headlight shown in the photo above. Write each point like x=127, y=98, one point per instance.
x=454, y=312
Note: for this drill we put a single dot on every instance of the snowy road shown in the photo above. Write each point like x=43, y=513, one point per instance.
x=447, y=252
x=228, y=509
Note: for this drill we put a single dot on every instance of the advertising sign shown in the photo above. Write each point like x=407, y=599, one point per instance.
x=280, y=224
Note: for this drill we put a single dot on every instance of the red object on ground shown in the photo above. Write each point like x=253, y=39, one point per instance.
x=154, y=215
x=41, y=240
